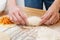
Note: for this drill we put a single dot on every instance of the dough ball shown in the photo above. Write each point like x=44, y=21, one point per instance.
x=4, y=36
x=34, y=21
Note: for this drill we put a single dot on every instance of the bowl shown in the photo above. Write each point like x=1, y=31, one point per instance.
x=2, y=5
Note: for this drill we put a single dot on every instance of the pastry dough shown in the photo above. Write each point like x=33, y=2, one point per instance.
x=34, y=20
x=46, y=33
x=4, y=36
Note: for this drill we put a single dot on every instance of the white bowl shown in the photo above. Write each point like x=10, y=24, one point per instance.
x=2, y=5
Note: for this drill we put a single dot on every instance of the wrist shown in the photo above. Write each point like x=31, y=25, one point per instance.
x=11, y=3
x=55, y=6
x=57, y=3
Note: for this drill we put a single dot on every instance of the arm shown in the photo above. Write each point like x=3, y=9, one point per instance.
x=14, y=12
x=52, y=14
x=11, y=2
x=58, y=1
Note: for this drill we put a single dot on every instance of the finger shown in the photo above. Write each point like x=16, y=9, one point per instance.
x=24, y=17
x=12, y=17
x=19, y=18
x=56, y=19
x=47, y=14
x=22, y=14
x=46, y=17
x=50, y=21
x=15, y=19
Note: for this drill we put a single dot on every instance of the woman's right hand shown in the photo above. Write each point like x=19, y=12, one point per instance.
x=16, y=15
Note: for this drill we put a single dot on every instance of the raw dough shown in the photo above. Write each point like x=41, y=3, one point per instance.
x=2, y=5
x=4, y=36
x=46, y=33
x=7, y=26
x=34, y=20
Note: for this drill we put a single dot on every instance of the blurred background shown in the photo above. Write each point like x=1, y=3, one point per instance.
x=22, y=3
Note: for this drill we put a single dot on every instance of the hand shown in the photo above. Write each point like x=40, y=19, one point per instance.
x=16, y=15
x=51, y=16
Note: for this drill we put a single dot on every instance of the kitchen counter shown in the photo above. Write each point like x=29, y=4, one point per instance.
x=27, y=32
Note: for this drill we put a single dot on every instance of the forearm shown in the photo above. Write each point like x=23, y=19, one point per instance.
x=58, y=3
x=55, y=6
x=58, y=0
x=11, y=2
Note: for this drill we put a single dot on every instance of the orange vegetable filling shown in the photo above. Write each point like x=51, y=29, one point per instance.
x=5, y=20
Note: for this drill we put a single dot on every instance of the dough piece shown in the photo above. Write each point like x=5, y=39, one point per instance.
x=4, y=36
x=2, y=5
x=46, y=33
x=7, y=25
x=34, y=21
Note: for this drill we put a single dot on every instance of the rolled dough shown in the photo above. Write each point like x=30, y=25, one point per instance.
x=4, y=36
x=34, y=20
x=46, y=33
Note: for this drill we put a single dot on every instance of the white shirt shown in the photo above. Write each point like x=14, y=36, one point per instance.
x=20, y=3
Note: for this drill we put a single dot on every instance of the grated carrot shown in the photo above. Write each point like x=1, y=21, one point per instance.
x=5, y=20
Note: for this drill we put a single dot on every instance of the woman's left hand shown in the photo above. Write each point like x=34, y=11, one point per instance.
x=51, y=16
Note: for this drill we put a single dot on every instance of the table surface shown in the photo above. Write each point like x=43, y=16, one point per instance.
x=28, y=32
